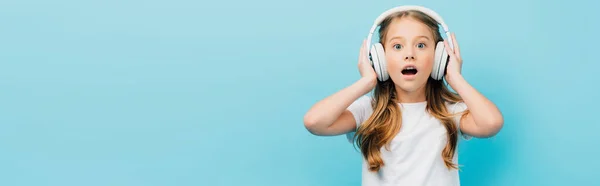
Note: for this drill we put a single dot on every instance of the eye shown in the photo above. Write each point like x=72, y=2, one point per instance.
x=397, y=46
x=421, y=45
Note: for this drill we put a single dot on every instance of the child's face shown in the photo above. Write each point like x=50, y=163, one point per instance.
x=409, y=50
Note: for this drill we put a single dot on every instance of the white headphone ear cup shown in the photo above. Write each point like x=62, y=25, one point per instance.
x=382, y=62
x=443, y=62
x=375, y=61
x=378, y=61
x=439, y=62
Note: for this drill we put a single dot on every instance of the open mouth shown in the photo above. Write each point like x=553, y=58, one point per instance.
x=409, y=70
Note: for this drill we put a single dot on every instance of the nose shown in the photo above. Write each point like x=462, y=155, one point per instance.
x=409, y=54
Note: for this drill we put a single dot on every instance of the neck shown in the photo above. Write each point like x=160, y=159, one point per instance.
x=411, y=96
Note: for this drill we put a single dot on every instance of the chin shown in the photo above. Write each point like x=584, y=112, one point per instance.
x=411, y=85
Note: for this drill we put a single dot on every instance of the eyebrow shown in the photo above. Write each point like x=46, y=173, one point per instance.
x=401, y=38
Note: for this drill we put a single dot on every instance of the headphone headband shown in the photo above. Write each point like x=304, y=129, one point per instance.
x=394, y=10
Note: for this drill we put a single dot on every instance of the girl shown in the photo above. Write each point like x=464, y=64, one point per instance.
x=408, y=130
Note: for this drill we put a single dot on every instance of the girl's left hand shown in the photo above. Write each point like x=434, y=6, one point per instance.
x=455, y=60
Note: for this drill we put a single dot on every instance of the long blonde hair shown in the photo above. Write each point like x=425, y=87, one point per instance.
x=385, y=122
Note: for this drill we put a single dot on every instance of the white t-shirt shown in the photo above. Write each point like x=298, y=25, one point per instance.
x=414, y=157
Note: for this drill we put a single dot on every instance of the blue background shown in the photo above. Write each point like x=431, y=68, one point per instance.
x=185, y=92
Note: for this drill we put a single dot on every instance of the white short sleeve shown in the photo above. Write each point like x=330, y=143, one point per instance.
x=361, y=109
x=458, y=108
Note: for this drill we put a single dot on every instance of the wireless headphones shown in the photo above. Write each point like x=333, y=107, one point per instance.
x=377, y=54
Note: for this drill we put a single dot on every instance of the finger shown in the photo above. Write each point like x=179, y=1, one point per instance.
x=456, y=48
x=365, y=52
x=448, y=50
x=361, y=52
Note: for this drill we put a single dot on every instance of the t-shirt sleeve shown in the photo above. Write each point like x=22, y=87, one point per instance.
x=458, y=109
x=361, y=110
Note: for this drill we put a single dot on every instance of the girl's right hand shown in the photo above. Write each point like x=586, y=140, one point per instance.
x=331, y=116
x=364, y=65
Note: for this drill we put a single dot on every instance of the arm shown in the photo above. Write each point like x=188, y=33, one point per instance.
x=484, y=118
x=330, y=116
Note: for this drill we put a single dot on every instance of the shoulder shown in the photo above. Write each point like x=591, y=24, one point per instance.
x=361, y=106
x=457, y=110
x=364, y=103
x=456, y=107
x=365, y=98
x=361, y=109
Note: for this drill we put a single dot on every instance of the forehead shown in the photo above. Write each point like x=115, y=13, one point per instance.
x=408, y=28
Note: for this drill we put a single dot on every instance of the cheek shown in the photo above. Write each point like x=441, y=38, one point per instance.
x=394, y=65
x=426, y=64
